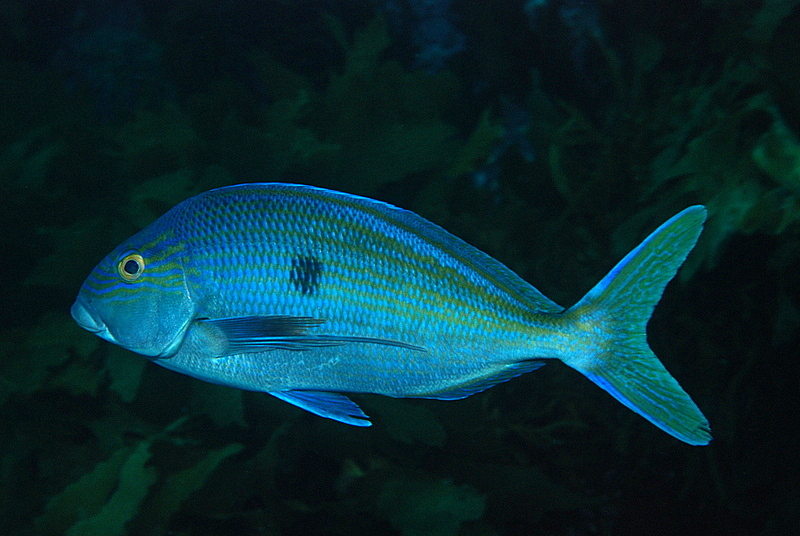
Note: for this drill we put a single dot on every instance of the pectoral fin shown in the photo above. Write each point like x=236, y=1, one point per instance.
x=329, y=405
x=260, y=333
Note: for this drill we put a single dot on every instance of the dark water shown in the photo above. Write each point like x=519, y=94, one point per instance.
x=552, y=134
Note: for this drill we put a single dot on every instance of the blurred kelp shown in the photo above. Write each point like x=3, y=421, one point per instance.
x=108, y=55
x=104, y=500
x=723, y=142
x=373, y=124
x=553, y=141
x=427, y=28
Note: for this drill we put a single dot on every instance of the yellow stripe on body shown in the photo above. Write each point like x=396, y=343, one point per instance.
x=508, y=299
x=415, y=288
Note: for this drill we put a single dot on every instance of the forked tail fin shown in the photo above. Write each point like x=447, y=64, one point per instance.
x=615, y=313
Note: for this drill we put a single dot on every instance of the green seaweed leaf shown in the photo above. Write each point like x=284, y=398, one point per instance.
x=134, y=483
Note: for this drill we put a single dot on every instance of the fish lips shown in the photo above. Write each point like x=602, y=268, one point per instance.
x=82, y=314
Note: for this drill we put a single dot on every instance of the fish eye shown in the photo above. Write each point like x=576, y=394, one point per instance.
x=131, y=266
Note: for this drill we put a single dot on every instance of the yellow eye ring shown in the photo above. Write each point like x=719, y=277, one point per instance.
x=131, y=267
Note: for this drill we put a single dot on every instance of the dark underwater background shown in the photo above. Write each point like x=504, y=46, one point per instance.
x=552, y=134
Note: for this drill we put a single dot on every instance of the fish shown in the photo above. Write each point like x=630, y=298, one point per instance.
x=309, y=294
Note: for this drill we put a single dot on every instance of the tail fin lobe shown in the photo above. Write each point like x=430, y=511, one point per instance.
x=645, y=386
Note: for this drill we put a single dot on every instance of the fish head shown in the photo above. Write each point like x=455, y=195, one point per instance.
x=138, y=296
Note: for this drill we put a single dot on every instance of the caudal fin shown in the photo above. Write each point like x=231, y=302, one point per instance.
x=615, y=313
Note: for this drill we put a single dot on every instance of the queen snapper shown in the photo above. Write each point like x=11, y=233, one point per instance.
x=306, y=293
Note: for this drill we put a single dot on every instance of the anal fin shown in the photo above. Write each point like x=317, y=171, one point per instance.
x=477, y=385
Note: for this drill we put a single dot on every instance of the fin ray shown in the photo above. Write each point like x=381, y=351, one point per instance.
x=329, y=405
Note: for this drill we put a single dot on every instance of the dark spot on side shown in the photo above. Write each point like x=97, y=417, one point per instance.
x=305, y=273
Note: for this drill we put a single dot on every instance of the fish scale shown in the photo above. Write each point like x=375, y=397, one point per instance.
x=307, y=293
x=358, y=285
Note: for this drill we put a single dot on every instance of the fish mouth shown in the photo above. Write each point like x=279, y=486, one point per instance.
x=82, y=314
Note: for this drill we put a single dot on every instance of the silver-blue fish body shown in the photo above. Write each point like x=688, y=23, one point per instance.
x=304, y=293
